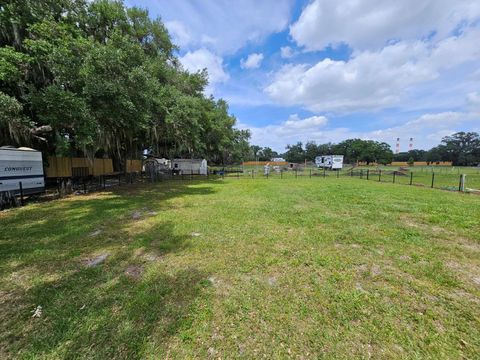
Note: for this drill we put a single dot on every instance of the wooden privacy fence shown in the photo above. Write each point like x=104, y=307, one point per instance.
x=134, y=166
x=69, y=167
x=422, y=163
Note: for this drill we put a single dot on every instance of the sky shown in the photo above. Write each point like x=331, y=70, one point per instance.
x=328, y=70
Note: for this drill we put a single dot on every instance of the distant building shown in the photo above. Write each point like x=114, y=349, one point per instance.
x=190, y=166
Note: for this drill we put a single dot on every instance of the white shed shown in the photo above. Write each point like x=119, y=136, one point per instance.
x=190, y=166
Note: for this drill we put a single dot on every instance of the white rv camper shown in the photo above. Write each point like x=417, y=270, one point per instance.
x=22, y=165
x=190, y=166
x=337, y=162
x=324, y=161
x=333, y=162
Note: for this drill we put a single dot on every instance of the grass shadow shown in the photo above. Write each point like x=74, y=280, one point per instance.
x=62, y=229
x=43, y=254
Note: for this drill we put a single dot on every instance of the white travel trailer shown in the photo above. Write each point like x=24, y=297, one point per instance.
x=190, y=166
x=333, y=162
x=22, y=166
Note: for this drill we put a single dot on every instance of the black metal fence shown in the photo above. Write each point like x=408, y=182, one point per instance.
x=453, y=180
x=58, y=188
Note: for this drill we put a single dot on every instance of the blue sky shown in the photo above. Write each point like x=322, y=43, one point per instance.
x=327, y=70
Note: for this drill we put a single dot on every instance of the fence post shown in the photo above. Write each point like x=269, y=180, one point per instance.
x=379, y=175
x=324, y=174
x=351, y=173
x=21, y=193
x=368, y=173
x=411, y=177
x=310, y=173
x=461, y=184
x=281, y=174
x=394, y=173
x=338, y=173
x=295, y=173
x=433, y=178
x=361, y=174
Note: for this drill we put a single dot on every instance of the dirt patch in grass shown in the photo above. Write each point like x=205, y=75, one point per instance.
x=469, y=273
x=95, y=233
x=463, y=295
x=375, y=270
x=442, y=233
x=272, y=281
x=134, y=271
x=136, y=215
x=95, y=260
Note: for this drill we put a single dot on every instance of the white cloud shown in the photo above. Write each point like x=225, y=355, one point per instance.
x=203, y=58
x=179, y=33
x=371, y=80
x=227, y=25
x=366, y=24
x=286, y=52
x=288, y=132
x=427, y=130
x=473, y=99
x=253, y=61
x=295, y=124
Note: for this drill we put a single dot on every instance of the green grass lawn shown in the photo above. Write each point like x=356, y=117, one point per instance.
x=445, y=177
x=241, y=268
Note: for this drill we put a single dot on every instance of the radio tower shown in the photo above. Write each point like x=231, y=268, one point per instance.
x=410, y=145
x=397, y=146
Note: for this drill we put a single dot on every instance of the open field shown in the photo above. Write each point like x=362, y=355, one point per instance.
x=444, y=177
x=240, y=268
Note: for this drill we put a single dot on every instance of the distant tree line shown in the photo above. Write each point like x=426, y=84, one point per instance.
x=97, y=78
x=353, y=149
x=462, y=148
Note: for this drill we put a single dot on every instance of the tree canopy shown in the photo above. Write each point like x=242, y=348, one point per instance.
x=352, y=149
x=99, y=78
x=462, y=148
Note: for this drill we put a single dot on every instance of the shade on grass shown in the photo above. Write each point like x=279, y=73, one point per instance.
x=289, y=267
